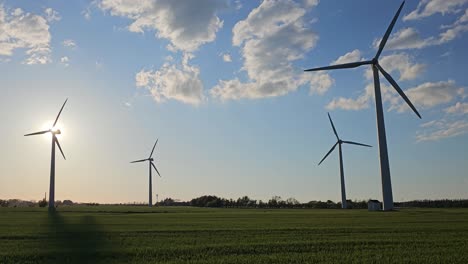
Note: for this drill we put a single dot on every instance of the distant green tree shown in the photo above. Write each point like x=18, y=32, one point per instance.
x=274, y=202
x=292, y=202
x=4, y=203
x=42, y=203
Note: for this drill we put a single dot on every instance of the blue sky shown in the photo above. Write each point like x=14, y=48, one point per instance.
x=220, y=83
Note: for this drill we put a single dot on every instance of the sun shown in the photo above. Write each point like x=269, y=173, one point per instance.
x=58, y=127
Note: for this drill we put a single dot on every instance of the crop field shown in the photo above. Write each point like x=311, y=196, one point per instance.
x=117, y=234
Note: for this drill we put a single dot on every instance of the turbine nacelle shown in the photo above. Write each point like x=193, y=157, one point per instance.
x=54, y=131
x=150, y=159
x=339, y=141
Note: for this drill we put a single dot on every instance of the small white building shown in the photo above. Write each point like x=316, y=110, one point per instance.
x=374, y=205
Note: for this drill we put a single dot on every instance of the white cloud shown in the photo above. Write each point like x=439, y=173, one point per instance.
x=69, y=43
x=20, y=30
x=428, y=8
x=271, y=37
x=311, y=3
x=406, y=38
x=463, y=18
x=458, y=108
x=187, y=25
x=361, y=102
x=86, y=13
x=409, y=38
x=423, y=96
x=176, y=21
x=238, y=4
x=400, y=63
x=351, y=56
x=52, y=15
x=227, y=57
x=170, y=82
x=440, y=129
x=429, y=94
x=319, y=83
x=17, y=12
x=446, y=54
x=455, y=121
x=453, y=31
x=65, y=61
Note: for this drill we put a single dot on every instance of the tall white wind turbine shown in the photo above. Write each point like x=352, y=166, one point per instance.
x=382, y=138
x=54, y=131
x=339, y=142
x=151, y=166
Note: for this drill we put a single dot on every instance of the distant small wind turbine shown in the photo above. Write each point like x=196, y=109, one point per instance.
x=151, y=164
x=339, y=142
x=376, y=67
x=54, y=131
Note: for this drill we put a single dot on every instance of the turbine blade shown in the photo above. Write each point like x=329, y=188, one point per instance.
x=333, y=126
x=330, y=151
x=389, y=30
x=153, y=148
x=37, y=133
x=398, y=89
x=355, y=143
x=60, y=148
x=152, y=164
x=341, y=66
x=56, y=119
x=139, y=161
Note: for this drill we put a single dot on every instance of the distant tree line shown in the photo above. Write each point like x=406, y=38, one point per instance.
x=40, y=203
x=277, y=202
x=246, y=202
x=445, y=203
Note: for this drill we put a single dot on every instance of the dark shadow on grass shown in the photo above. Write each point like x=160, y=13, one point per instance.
x=75, y=239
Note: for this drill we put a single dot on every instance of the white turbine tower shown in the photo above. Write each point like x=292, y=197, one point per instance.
x=151, y=166
x=339, y=142
x=54, y=131
x=382, y=138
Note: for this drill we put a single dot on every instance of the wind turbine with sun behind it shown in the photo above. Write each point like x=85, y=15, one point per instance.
x=382, y=138
x=151, y=166
x=54, y=131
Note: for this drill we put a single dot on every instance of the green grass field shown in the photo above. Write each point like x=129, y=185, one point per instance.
x=192, y=235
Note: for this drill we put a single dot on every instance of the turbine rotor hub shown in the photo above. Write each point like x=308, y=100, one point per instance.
x=375, y=61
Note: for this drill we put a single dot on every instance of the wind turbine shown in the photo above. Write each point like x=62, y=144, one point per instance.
x=339, y=142
x=151, y=164
x=382, y=138
x=54, y=131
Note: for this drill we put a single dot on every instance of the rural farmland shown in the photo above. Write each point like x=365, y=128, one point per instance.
x=197, y=235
